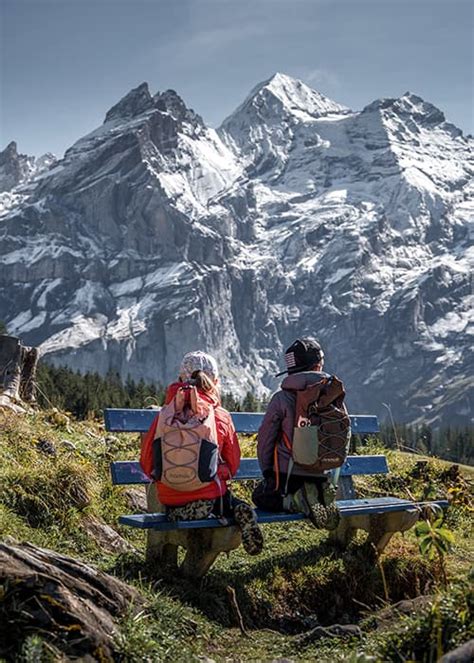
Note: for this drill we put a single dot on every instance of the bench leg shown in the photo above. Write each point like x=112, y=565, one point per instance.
x=203, y=547
x=159, y=552
x=200, y=554
x=343, y=535
x=381, y=542
x=379, y=527
x=383, y=526
x=197, y=562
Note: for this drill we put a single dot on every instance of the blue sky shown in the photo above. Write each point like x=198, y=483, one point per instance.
x=64, y=63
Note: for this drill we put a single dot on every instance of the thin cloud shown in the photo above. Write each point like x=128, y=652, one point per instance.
x=323, y=77
x=220, y=37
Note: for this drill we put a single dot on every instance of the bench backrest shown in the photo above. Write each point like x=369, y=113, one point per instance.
x=125, y=472
x=139, y=421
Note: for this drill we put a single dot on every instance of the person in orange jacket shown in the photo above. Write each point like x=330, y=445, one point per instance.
x=214, y=499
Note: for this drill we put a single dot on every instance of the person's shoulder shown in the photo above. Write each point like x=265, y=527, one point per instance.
x=222, y=414
x=171, y=390
x=277, y=401
x=278, y=396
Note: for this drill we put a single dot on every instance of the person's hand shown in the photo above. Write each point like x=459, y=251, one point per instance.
x=224, y=472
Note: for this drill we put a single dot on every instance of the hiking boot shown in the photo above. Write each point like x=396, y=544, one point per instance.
x=332, y=512
x=252, y=537
x=306, y=501
x=333, y=517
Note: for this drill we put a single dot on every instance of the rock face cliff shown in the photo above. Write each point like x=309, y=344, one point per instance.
x=17, y=172
x=156, y=234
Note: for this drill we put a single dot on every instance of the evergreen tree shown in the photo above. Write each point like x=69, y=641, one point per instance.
x=230, y=402
x=86, y=395
x=250, y=403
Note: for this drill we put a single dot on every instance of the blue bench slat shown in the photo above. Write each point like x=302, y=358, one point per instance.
x=139, y=421
x=347, y=508
x=129, y=471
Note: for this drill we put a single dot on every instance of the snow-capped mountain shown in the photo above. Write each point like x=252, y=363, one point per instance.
x=262, y=129
x=16, y=172
x=155, y=235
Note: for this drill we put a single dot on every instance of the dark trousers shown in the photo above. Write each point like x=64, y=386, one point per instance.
x=225, y=506
x=221, y=507
x=268, y=497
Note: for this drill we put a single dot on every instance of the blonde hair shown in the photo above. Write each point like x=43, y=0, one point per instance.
x=205, y=383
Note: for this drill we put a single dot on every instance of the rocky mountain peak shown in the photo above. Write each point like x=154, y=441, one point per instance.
x=11, y=151
x=297, y=97
x=419, y=109
x=170, y=102
x=409, y=106
x=263, y=127
x=134, y=103
x=281, y=97
x=14, y=167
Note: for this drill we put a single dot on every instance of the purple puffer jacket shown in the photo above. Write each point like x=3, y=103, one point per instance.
x=280, y=416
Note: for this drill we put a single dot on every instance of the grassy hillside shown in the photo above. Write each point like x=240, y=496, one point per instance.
x=55, y=492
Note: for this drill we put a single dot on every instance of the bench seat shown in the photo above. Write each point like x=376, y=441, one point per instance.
x=374, y=505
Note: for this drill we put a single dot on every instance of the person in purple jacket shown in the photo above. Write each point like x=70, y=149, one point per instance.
x=301, y=491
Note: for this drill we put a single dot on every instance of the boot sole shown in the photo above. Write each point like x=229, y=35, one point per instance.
x=252, y=537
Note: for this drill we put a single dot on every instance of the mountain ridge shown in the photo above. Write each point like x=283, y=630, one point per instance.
x=155, y=234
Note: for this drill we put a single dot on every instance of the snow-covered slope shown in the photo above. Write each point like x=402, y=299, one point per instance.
x=261, y=130
x=156, y=235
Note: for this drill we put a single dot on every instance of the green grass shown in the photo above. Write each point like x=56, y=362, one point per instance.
x=297, y=582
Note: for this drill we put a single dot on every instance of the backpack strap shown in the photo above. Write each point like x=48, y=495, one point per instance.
x=276, y=465
x=290, y=463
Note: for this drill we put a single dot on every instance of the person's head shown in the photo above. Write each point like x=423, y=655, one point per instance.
x=305, y=354
x=200, y=368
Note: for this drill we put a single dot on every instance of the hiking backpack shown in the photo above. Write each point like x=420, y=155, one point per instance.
x=185, y=448
x=322, y=428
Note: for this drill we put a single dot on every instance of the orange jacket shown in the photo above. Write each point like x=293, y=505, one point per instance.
x=228, y=447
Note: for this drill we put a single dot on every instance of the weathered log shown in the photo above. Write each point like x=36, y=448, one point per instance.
x=104, y=535
x=28, y=375
x=462, y=654
x=18, y=364
x=380, y=527
x=71, y=605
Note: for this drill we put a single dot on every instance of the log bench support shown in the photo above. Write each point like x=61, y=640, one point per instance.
x=203, y=540
x=202, y=546
x=380, y=527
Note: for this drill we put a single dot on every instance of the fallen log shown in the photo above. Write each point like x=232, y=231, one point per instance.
x=71, y=605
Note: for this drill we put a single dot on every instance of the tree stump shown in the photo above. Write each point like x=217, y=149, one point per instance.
x=70, y=605
x=18, y=364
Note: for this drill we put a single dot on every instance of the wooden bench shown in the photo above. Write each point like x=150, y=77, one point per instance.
x=203, y=540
